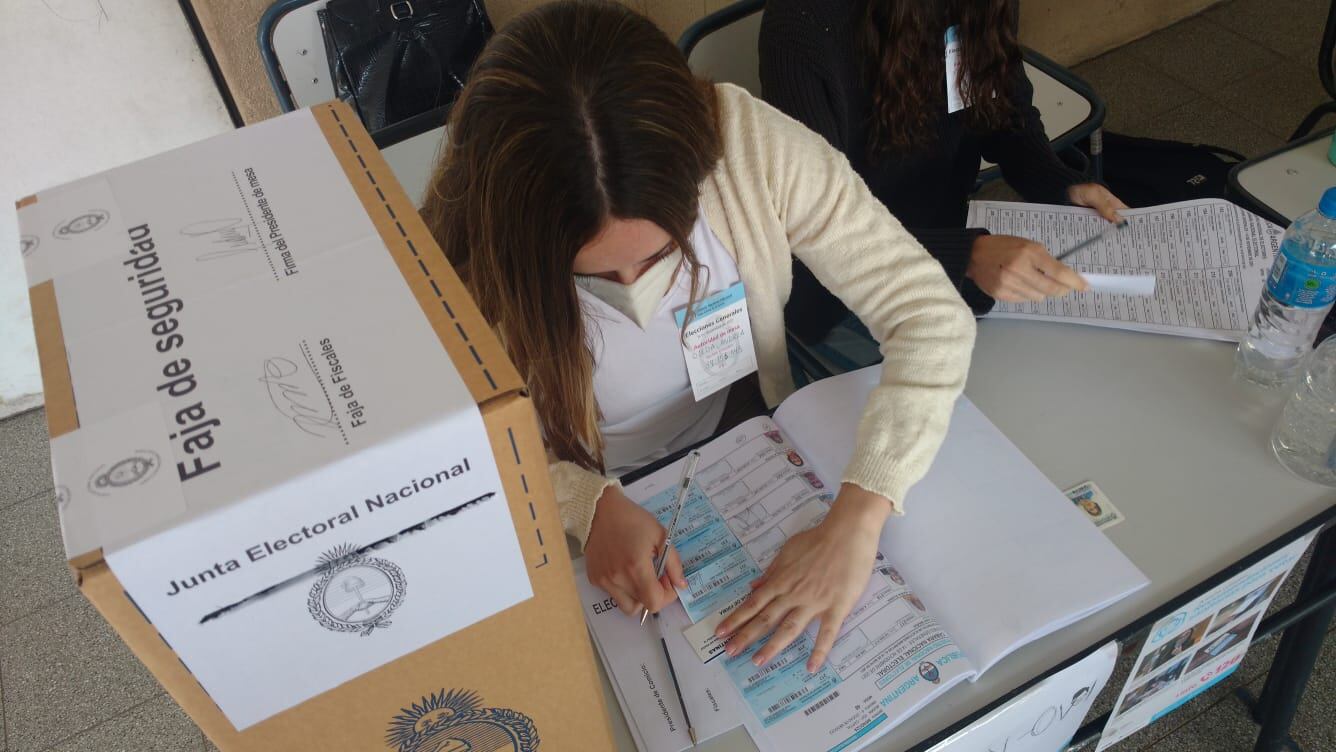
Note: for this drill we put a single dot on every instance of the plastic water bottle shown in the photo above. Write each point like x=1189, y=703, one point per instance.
x=1299, y=291
x=1305, y=437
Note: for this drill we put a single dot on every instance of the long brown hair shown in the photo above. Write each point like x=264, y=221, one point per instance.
x=576, y=112
x=903, y=51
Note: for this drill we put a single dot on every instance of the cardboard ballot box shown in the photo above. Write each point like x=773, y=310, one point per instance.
x=295, y=469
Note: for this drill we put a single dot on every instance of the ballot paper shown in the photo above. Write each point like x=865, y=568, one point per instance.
x=941, y=606
x=1209, y=259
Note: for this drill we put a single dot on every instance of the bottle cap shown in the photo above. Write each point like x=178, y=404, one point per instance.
x=1328, y=203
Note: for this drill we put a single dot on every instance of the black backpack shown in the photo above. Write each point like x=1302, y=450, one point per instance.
x=1151, y=171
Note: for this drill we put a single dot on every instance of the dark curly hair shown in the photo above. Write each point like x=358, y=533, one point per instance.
x=902, y=48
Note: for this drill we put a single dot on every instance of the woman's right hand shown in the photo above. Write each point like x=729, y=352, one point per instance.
x=620, y=555
x=1016, y=270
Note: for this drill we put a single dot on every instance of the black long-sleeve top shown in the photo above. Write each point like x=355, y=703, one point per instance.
x=811, y=69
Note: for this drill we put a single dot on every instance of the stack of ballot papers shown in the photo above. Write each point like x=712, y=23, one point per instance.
x=1192, y=269
x=954, y=589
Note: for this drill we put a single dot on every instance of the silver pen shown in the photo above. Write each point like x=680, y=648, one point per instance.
x=688, y=474
x=1112, y=228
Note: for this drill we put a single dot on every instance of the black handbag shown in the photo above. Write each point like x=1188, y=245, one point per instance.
x=394, y=61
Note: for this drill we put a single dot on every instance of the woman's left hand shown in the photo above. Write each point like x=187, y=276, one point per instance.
x=1096, y=197
x=818, y=574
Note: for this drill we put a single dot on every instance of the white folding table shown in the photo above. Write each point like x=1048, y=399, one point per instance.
x=1160, y=425
x=1286, y=183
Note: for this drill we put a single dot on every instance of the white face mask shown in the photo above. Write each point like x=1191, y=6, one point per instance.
x=639, y=300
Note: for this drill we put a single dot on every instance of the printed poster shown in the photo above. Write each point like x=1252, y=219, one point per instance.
x=1192, y=649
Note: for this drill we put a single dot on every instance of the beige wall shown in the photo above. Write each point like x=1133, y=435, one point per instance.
x=673, y=15
x=1067, y=30
x=1070, y=31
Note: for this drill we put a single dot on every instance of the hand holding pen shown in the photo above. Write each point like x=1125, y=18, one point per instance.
x=624, y=550
x=1108, y=230
x=683, y=485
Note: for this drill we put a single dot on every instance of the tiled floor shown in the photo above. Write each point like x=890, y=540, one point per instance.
x=1240, y=75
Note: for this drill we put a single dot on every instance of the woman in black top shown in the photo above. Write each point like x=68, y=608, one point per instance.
x=871, y=76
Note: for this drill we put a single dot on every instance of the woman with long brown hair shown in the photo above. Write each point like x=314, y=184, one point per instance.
x=914, y=92
x=592, y=187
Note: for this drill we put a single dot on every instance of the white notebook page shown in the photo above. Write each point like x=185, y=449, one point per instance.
x=993, y=548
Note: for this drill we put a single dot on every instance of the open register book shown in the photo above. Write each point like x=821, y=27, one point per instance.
x=989, y=557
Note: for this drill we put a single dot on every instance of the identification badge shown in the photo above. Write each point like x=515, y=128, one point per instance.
x=718, y=343
x=1090, y=499
x=954, y=101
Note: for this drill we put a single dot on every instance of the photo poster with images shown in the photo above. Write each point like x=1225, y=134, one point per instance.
x=1046, y=717
x=1198, y=645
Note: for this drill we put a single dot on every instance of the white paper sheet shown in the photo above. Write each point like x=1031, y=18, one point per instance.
x=979, y=528
x=1139, y=285
x=334, y=625
x=1044, y=718
x=71, y=228
x=636, y=667
x=1209, y=257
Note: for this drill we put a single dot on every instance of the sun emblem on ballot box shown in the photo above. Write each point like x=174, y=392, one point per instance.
x=455, y=721
x=355, y=592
